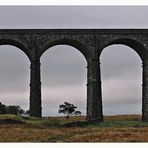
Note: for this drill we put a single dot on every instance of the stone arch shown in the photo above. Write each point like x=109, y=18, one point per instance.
x=16, y=44
x=139, y=48
x=92, y=106
x=71, y=42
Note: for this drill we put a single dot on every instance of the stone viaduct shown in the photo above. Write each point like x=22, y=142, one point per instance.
x=90, y=42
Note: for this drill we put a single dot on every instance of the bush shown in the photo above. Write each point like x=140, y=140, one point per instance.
x=3, y=109
x=12, y=109
x=68, y=109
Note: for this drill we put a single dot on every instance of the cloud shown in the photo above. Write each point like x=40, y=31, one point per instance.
x=73, y=16
x=121, y=80
x=63, y=65
x=14, y=70
x=120, y=61
x=15, y=98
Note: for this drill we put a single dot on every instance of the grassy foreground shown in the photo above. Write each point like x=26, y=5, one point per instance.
x=123, y=128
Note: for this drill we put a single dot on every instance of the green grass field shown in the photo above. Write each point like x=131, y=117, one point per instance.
x=121, y=128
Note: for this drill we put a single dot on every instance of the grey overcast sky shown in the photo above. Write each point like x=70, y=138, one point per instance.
x=63, y=68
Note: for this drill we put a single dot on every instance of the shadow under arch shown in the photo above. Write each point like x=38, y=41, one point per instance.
x=15, y=44
x=71, y=42
x=135, y=45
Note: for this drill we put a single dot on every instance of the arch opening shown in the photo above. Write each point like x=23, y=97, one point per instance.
x=63, y=73
x=14, y=76
x=121, y=71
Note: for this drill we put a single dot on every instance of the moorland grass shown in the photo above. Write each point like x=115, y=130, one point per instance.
x=120, y=128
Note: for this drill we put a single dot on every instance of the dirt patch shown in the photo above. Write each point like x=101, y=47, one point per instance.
x=11, y=121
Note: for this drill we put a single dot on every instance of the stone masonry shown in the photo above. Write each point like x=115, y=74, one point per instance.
x=90, y=42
